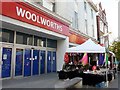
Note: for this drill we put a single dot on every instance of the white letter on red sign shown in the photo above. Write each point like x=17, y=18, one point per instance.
x=43, y=20
x=28, y=15
x=34, y=17
x=20, y=11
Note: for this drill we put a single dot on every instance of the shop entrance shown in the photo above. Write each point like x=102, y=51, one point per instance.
x=51, y=61
x=29, y=62
x=6, y=62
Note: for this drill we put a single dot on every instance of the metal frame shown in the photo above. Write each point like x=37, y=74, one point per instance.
x=40, y=60
x=20, y=46
x=7, y=45
x=15, y=63
x=52, y=50
x=23, y=47
x=0, y=60
x=39, y=48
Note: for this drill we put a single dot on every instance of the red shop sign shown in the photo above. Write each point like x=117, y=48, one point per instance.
x=26, y=13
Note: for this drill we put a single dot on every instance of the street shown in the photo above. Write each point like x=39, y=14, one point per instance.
x=48, y=81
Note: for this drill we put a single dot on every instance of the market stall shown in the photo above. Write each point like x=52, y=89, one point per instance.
x=72, y=70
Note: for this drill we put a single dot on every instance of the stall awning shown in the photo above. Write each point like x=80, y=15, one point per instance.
x=89, y=47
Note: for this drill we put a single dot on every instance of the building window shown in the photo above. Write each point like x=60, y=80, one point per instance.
x=102, y=40
x=29, y=40
x=93, y=30
x=101, y=26
x=86, y=27
x=53, y=7
x=39, y=41
x=91, y=13
x=76, y=20
x=26, y=0
x=6, y=36
x=39, y=2
x=106, y=29
x=51, y=43
x=71, y=46
x=85, y=7
x=22, y=38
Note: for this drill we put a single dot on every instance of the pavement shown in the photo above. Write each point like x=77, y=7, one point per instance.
x=116, y=82
x=42, y=81
x=47, y=81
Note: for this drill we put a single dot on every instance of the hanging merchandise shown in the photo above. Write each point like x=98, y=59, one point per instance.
x=66, y=58
x=101, y=59
x=84, y=60
x=106, y=59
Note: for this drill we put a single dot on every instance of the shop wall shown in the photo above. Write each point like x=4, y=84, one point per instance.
x=63, y=10
x=87, y=16
x=47, y=4
x=62, y=46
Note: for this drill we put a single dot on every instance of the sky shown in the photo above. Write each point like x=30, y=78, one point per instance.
x=111, y=8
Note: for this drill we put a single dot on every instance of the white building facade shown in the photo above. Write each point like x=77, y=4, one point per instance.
x=102, y=26
x=82, y=15
x=35, y=34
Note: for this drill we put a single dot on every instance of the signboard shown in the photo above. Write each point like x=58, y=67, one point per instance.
x=77, y=39
x=26, y=13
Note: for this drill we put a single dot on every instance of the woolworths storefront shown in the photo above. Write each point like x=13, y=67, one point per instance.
x=32, y=41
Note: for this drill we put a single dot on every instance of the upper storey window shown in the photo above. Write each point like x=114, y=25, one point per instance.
x=85, y=7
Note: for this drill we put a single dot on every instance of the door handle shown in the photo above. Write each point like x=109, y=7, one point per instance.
x=32, y=59
x=1, y=62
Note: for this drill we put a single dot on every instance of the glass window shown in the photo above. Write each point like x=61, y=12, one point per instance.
x=53, y=7
x=106, y=29
x=86, y=27
x=71, y=46
x=6, y=35
x=38, y=2
x=91, y=13
x=101, y=26
x=39, y=41
x=19, y=38
x=51, y=43
x=85, y=7
x=29, y=40
x=22, y=38
x=76, y=20
x=93, y=30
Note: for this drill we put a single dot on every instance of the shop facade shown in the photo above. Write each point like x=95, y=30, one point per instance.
x=32, y=41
